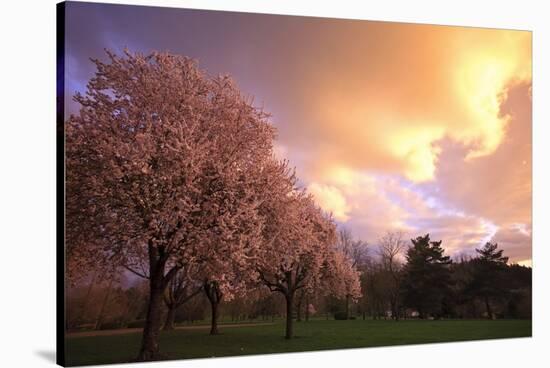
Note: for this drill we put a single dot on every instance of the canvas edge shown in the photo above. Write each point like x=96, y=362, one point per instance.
x=60, y=186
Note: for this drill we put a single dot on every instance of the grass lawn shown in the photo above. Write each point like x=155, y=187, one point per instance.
x=312, y=335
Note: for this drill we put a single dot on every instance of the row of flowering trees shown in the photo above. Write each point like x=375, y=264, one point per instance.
x=170, y=174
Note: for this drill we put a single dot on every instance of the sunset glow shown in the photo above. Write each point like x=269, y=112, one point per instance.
x=425, y=129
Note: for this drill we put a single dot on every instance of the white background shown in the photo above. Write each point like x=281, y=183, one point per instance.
x=27, y=182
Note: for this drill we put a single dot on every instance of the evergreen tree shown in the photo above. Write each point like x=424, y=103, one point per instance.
x=488, y=283
x=426, y=284
x=491, y=255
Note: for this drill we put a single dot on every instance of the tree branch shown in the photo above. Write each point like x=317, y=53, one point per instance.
x=136, y=272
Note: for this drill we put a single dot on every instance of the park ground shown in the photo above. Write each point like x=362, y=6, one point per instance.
x=187, y=343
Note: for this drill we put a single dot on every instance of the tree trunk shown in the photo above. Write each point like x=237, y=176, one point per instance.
x=299, y=310
x=347, y=306
x=170, y=318
x=289, y=331
x=214, y=295
x=397, y=310
x=214, y=325
x=307, y=308
x=394, y=308
x=99, y=319
x=150, y=340
x=474, y=309
x=489, y=310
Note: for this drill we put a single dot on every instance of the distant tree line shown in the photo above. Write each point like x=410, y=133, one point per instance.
x=398, y=282
x=428, y=284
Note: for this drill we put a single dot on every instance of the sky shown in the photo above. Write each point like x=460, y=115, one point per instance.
x=391, y=126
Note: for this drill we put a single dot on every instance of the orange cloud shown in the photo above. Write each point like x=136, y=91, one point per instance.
x=416, y=127
x=331, y=200
x=386, y=98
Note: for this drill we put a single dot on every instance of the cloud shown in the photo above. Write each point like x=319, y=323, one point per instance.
x=516, y=240
x=496, y=186
x=331, y=200
x=372, y=204
x=369, y=204
x=471, y=200
x=386, y=101
x=460, y=234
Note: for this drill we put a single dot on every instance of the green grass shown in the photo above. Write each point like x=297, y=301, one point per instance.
x=313, y=335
